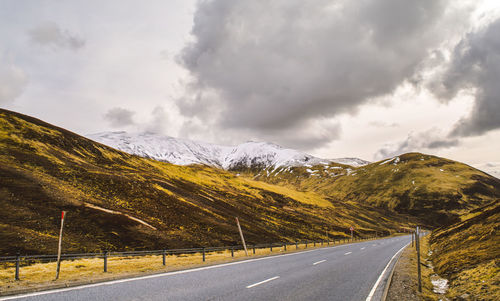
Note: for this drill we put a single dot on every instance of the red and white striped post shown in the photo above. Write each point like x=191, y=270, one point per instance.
x=63, y=215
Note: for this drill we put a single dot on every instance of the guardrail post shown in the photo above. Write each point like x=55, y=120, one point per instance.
x=296, y=245
x=18, y=260
x=284, y=246
x=105, y=261
x=306, y=244
x=203, y=254
x=254, y=249
x=232, y=251
x=271, y=247
x=417, y=244
x=164, y=257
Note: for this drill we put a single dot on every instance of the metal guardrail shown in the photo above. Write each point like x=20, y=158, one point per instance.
x=204, y=252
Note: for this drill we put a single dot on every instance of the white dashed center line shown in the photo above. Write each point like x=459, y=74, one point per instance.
x=259, y=283
x=347, y=253
x=362, y=248
x=318, y=262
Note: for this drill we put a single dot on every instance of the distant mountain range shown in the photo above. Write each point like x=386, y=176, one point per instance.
x=119, y=201
x=185, y=152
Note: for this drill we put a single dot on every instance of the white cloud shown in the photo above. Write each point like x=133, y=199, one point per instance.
x=119, y=117
x=50, y=34
x=13, y=81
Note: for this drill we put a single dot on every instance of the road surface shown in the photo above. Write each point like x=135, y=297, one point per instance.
x=345, y=272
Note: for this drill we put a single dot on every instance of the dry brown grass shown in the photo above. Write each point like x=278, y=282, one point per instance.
x=404, y=285
x=41, y=275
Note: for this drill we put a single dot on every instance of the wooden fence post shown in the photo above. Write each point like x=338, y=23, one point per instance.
x=63, y=215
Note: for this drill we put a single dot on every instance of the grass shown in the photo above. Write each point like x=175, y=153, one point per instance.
x=437, y=191
x=40, y=275
x=404, y=285
x=467, y=254
x=45, y=169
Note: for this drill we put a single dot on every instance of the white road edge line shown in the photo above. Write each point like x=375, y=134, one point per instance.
x=374, y=288
x=55, y=291
x=347, y=253
x=264, y=281
x=362, y=248
x=318, y=262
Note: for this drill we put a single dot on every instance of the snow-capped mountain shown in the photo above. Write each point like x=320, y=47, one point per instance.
x=184, y=152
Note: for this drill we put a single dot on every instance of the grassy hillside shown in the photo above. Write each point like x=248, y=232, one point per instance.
x=436, y=190
x=119, y=201
x=468, y=254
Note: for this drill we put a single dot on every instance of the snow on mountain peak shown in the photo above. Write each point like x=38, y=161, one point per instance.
x=184, y=152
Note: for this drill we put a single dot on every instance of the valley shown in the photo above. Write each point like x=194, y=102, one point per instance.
x=121, y=201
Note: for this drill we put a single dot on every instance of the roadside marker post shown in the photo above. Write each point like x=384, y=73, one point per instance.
x=242, y=238
x=105, y=261
x=63, y=215
x=164, y=257
x=18, y=260
x=352, y=229
x=417, y=244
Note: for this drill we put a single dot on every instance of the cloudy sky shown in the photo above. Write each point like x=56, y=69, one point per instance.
x=368, y=78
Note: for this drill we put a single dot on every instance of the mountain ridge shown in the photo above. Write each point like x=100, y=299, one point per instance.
x=179, y=151
x=45, y=169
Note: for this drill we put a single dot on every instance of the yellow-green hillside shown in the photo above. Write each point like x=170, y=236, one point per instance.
x=119, y=201
x=468, y=254
x=436, y=190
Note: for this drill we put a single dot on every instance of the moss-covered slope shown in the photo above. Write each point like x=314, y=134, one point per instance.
x=468, y=254
x=436, y=190
x=119, y=201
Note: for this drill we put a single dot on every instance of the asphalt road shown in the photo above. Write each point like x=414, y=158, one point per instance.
x=346, y=272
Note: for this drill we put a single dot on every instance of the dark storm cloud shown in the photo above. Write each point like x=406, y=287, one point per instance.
x=274, y=65
x=119, y=117
x=305, y=137
x=475, y=65
x=50, y=34
x=423, y=141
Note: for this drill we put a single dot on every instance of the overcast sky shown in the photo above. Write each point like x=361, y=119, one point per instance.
x=369, y=78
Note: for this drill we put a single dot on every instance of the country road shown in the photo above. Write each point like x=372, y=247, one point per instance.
x=345, y=272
